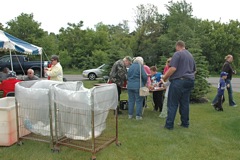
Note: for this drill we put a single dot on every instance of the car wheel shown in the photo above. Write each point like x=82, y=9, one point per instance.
x=92, y=76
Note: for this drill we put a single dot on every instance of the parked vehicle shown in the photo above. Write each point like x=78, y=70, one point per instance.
x=21, y=64
x=92, y=74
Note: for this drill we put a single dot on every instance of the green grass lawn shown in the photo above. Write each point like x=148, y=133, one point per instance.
x=212, y=136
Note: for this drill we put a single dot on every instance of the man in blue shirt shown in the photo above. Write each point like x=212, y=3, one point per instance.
x=181, y=74
x=220, y=93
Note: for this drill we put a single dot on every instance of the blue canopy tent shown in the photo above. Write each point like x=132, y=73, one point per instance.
x=11, y=43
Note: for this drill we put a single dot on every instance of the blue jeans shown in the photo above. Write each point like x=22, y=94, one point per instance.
x=230, y=94
x=133, y=97
x=179, y=95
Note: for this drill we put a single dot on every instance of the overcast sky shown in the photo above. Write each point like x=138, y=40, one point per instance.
x=54, y=14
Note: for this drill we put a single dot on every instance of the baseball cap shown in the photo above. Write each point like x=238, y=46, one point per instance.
x=11, y=74
x=223, y=74
x=55, y=57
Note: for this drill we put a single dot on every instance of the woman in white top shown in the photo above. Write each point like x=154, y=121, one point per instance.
x=55, y=72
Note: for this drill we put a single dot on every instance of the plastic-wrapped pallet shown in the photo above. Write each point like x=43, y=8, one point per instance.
x=34, y=100
x=75, y=106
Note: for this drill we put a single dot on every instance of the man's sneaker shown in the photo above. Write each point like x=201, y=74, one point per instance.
x=130, y=116
x=234, y=105
x=168, y=128
x=181, y=125
x=138, y=118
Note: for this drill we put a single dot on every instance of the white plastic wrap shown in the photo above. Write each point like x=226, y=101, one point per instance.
x=105, y=97
x=34, y=102
x=75, y=105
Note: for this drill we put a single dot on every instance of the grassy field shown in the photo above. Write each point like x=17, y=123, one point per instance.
x=212, y=136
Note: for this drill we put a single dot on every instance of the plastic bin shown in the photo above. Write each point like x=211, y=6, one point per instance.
x=8, y=127
x=82, y=118
x=33, y=111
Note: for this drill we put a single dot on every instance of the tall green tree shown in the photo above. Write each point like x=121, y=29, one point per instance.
x=26, y=28
x=120, y=42
x=218, y=40
x=65, y=59
x=49, y=43
x=149, y=28
x=162, y=63
x=181, y=26
x=201, y=87
x=73, y=39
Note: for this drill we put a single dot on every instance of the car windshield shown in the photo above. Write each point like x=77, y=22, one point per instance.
x=5, y=59
x=102, y=66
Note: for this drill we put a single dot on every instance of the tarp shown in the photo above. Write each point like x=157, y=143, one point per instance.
x=9, y=42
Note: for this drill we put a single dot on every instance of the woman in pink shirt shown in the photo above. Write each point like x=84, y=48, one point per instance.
x=166, y=68
x=148, y=72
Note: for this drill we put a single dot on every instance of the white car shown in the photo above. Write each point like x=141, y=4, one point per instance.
x=92, y=74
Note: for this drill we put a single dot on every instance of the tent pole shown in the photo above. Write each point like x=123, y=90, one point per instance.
x=11, y=59
x=46, y=55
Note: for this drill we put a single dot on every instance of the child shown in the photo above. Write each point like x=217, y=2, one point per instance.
x=157, y=91
x=220, y=94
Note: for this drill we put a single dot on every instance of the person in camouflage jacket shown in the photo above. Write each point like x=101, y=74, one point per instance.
x=118, y=74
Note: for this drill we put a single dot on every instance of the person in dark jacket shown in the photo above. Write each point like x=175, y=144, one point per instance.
x=118, y=74
x=228, y=69
x=133, y=87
